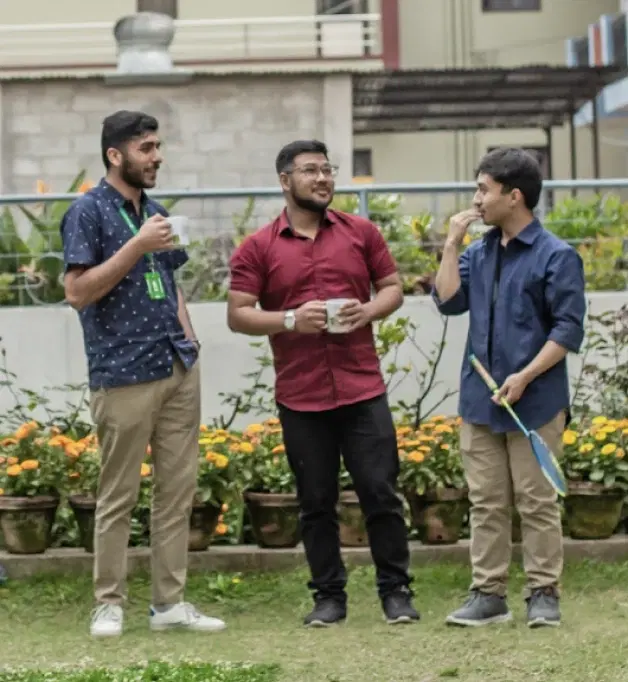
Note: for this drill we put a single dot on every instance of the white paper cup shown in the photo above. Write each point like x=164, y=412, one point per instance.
x=333, y=306
x=179, y=226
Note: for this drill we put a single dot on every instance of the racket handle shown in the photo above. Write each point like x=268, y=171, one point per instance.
x=479, y=368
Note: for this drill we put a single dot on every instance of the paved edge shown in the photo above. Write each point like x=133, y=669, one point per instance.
x=249, y=558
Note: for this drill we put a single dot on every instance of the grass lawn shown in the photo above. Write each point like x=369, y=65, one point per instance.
x=44, y=622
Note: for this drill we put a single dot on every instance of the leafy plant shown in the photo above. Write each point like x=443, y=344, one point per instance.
x=594, y=451
x=217, y=470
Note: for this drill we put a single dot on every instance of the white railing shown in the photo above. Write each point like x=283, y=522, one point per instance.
x=67, y=46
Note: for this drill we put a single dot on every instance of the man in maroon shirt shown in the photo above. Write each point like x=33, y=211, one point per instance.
x=329, y=388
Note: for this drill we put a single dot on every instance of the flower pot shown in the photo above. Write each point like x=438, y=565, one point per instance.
x=438, y=515
x=274, y=518
x=351, y=522
x=203, y=522
x=26, y=523
x=84, y=509
x=592, y=510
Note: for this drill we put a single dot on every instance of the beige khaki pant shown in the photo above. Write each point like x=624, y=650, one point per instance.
x=501, y=469
x=166, y=415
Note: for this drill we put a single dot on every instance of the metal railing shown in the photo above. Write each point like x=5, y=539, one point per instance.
x=67, y=45
x=411, y=215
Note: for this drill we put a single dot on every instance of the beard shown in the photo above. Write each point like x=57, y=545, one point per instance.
x=318, y=207
x=134, y=176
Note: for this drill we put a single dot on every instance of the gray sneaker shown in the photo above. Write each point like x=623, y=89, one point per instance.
x=480, y=609
x=543, y=608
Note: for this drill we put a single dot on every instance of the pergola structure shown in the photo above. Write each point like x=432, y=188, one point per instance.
x=481, y=99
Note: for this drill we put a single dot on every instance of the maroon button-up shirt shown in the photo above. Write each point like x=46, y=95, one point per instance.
x=316, y=372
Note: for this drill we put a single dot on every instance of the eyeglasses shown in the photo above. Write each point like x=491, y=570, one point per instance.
x=312, y=172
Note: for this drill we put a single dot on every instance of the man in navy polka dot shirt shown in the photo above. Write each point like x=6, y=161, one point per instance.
x=143, y=366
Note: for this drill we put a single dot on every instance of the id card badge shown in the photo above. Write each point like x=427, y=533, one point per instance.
x=155, y=286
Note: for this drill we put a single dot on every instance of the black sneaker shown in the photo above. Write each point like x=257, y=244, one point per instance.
x=543, y=608
x=398, y=607
x=327, y=611
x=480, y=609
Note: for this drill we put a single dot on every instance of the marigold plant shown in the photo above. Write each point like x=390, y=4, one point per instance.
x=594, y=450
x=430, y=456
x=30, y=464
x=265, y=467
x=218, y=467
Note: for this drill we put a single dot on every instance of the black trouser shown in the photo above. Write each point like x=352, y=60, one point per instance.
x=365, y=434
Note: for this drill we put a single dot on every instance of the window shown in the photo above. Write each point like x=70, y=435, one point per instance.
x=342, y=7
x=168, y=7
x=362, y=163
x=511, y=5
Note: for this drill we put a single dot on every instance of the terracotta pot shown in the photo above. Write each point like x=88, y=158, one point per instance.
x=84, y=509
x=592, y=511
x=351, y=522
x=438, y=515
x=203, y=522
x=274, y=518
x=26, y=523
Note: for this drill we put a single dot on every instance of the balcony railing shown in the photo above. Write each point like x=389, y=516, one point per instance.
x=203, y=41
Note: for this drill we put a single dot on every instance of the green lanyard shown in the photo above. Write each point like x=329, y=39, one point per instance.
x=131, y=225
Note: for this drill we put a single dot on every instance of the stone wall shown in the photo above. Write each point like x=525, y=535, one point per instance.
x=218, y=131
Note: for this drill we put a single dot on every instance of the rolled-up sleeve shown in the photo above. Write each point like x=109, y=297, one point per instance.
x=457, y=304
x=246, y=269
x=80, y=234
x=565, y=296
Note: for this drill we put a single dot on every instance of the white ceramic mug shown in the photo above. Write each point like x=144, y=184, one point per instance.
x=179, y=227
x=333, y=305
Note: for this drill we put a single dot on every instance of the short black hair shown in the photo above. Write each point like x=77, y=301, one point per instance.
x=289, y=152
x=122, y=127
x=514, y=168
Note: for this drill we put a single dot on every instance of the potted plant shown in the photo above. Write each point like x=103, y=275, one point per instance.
x=597, y=474
x=351, y=521
x=83, y=464
x=432, y=479
x=30, y=479
x=270, y=488
x=217, y=485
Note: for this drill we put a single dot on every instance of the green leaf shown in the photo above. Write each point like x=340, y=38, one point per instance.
x=596, y=475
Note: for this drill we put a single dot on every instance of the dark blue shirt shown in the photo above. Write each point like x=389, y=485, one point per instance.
x=129, y=338
x=540, y=297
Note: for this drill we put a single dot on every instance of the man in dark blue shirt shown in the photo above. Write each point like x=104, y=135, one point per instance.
x=143, y=371
x=524, y=291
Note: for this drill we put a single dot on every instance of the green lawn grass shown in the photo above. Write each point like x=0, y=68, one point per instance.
x=44, y=622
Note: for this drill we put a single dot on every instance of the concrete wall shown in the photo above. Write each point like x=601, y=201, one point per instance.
x=45, y=348
x=218, y=132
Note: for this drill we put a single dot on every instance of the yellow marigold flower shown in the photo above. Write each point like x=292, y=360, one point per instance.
x=416, y=456
x=620, y=453
x=6, y=442
x=145, y=470
x=443, y=428
x=12, y=460
x=439, y=418
x=26, y=429
x=254, y=428
x=600, y=435
x=246, y=448
x=424, y=448
x=224, y=508
x=570, y=437
x=278, y=449
x=272, y=421
x=1, y=491
x=624, y=432
x=221, y=461
x=445, y=446
x=220, y=439
x=221, y=529
x=14, y=470
x=586, y=447
x=598, y=421
x=30, y=465
x=403, y=430
x=608, y=449
x=204, y=428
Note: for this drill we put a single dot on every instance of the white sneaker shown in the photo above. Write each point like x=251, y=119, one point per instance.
x=107, y=621
x=184, y=615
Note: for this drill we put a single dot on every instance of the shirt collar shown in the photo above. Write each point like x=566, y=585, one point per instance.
x=283, y=224
x=113, y=195
x=527, y=236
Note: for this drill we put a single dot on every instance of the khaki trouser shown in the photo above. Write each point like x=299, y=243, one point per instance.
x=501, y=469
x=166, y=414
